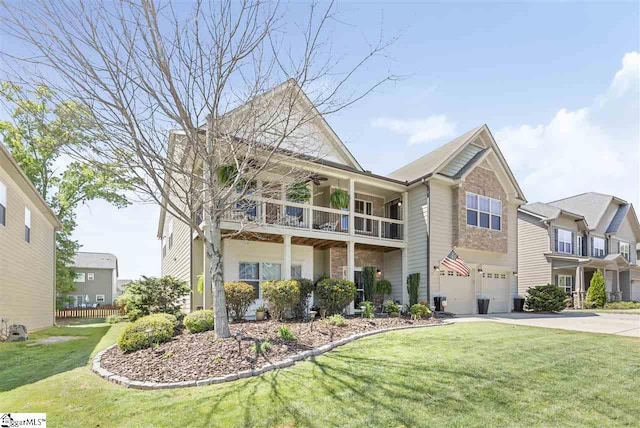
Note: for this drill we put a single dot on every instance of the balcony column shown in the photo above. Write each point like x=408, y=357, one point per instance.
x=405, y=214
x=351, y=265
x=309, y=218
x=352, y=207
x=403, y=276
x=578, y=298
x=286, y=258
x=618, y=293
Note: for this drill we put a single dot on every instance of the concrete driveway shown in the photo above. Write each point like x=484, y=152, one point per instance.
x=618, y=324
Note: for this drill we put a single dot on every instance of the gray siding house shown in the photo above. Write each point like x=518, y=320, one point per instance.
x=565, y=241
x=96, y=280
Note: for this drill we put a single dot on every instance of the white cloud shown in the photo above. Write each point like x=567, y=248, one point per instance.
x=595, y=148
x=419, y=130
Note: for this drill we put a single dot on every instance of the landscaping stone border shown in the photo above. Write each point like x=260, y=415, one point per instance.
x=136, y=384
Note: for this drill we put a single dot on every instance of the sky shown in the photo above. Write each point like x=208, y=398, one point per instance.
x=558, y=84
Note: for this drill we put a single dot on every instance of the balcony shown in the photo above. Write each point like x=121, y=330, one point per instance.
x=256, y=211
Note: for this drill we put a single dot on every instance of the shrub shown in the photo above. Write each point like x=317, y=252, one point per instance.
x=391, y=306
x=199, y=321
x=155, y=295
x=306, y=288
x=622, y=305
x=261, y=348
x=596, y=294
x=114, y=319
x=286, y=333
x=367, y=309
x=135, y=336
x=394, y=314
x=383, y=287
x=546, y=298
x=239, y=296
x=413, y=283
x=335, y=294
x=280, y=296
x=336, y=320
x=368, y=282
x=419, y=311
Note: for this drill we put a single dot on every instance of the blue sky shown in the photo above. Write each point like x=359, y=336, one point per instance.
x=557, y=83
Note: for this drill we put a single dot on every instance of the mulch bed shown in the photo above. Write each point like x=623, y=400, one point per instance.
x=199, y=356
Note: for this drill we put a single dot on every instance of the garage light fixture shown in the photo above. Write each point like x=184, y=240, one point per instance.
x=515, y=274
x=436, y=267
x=480, y=270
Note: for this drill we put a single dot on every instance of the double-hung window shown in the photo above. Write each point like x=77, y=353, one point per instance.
x=80, y=277
x=27, y=225
x=625, y=250
x=296, y=271
x=566, y=283
x=3, y=204
x=565, y=244
x=250, y=273
x=363, y=224
x=598, y=247
x=580, y=246
x=484, y=212
x=170, y=239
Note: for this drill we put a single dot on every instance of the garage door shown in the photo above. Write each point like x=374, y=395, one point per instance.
x=495, y=285
x=635, y=290
x=459, y=292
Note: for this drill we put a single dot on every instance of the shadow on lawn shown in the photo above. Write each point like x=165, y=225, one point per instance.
x=21, y=364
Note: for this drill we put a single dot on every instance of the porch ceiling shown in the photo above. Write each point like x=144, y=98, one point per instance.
x=320, y=244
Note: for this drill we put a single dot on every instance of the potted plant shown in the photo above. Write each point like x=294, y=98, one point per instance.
x=261, y=313
x=339, y=199
x=227, y=173
x=298, y=192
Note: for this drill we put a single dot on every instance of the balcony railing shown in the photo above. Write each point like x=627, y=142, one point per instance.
x=261, y=211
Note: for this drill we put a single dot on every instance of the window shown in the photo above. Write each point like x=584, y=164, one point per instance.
x=80, y=277
x=90, y=276
x=580, y=246
x=564, y=244
x=27, y=225
x=164, y=247
x=598, y=247
x=100, y=298
x=296, y=271
x=363, y=207
x=77, y=301
x=3, y=204
x=250, y=273
x=625, y=250
x=170, y=233
x=566, y=283
x=484, y=212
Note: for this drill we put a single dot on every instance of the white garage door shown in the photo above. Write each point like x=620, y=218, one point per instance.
x=495, y=285
x=635, y=290
x=459, y=292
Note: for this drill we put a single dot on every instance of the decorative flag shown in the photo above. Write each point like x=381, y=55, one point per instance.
x=455, y=263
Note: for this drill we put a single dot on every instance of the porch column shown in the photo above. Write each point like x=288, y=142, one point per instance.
x=351, y=265
x=286, y=258
x=403, y=276
x=352, y=207
x=405, y=215
x=618, y=294
x=578, y=295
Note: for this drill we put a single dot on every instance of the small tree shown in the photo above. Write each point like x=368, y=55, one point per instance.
x=155, y=295
x=281, y=296
x=368, y=282
x=239, y=296
x=596, y=294
x=546, y=298
x=413, y=284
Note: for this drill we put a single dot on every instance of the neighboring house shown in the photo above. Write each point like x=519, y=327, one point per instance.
x=401, y=224
x=96, y=280
x=563, y=242
x=122, y=286
x=27, y=250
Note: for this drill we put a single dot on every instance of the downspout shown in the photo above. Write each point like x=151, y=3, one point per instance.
x=426, y=185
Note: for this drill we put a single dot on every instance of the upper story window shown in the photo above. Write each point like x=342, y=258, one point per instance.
x=484, y=212
x=598, y=247
x=164, y=247
x=580, y=246
x=625, y=250
x=3, y=204
x=91, y=276
x=564, y=242
x=27, y=225
x=170, y=239
x=80, y=277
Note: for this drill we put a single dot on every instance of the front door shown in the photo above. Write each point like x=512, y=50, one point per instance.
x=357, y=278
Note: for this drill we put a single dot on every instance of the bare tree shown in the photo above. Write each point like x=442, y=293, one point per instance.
x=197, y=104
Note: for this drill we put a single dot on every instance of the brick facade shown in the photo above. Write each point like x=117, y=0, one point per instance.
x=483, y=182
x=363, y=257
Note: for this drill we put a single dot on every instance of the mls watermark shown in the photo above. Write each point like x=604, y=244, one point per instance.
x=10, y=420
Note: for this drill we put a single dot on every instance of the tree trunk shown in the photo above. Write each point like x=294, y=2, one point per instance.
x=216, y=270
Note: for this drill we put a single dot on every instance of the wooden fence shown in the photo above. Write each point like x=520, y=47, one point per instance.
x=99, y=312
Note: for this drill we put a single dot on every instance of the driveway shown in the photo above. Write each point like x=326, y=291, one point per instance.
x=618, y=324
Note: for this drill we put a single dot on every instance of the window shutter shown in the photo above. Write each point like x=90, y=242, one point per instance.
x=574, y=243
x=556, y=280
x=584, y=246
x=555, y=237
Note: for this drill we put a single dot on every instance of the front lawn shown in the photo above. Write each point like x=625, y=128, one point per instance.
x=474, y=374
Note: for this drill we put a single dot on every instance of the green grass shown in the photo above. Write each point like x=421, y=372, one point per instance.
x=475, y=374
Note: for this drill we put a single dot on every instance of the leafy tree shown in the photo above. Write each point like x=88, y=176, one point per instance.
x=596, y=294
x=40, y=134
x=155, y=295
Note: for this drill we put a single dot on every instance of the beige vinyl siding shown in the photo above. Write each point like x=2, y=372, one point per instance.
x=625, y=233
x=441, y=228
x=27, y=270
x=393, y=273
x=533, y=242
x=417, y=236
x=177, y=261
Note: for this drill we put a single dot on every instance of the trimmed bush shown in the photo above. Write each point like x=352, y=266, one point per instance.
x=413, y=284
x=546, y=298
x=280, y=296
x=155, y=295
x=306, y=288
x=114, y=319
x=596, y=294
x=286, y=333
x=391, y=306
x=368, y=279
x=419, y=311
x=239, y=296
x=199, y=321
x=337, y=320
x=134, y=337
x=335, y=294
x=622, y=305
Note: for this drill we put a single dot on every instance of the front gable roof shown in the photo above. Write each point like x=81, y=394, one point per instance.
x=593, y=206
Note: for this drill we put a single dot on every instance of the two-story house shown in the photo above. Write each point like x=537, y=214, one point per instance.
x=563, y=242
x=27, y=249
x=96, y=280
x=462, y=195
